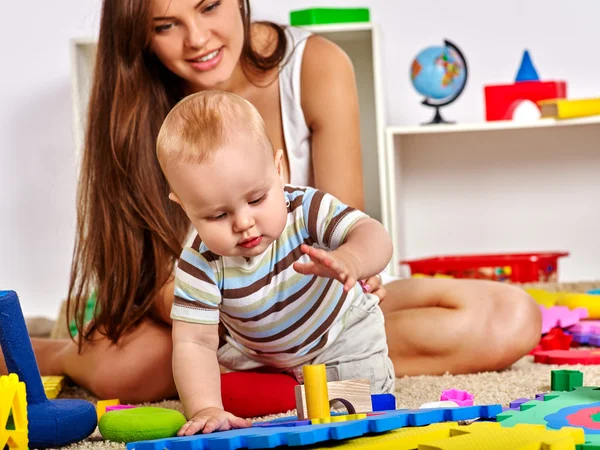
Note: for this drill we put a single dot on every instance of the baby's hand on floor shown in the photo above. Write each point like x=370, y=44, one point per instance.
x=212, y=419
x=327, y=264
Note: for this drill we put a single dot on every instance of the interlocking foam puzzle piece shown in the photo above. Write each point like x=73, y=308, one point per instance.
x=53, y=385
x=13, y=400
x=577, y=408
x=585, y=357
x=268, y=437
x=566, y=380
x=477, y=436
x=561, y=316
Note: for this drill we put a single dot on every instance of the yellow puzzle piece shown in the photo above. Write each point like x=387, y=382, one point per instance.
x=13, y=400
x=476, y=436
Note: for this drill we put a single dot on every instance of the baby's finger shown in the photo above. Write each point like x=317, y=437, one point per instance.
x=349, y=283
x=305, y=268
x=238, y=422
x=193, y=426
x=211, y=425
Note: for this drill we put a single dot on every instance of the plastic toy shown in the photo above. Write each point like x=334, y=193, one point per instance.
x=555, y=339
x=383, y=402
x=571, y=300
x=52, y=423
x=315, y=385
x=502, y=100
x=136, y=424
x=576, y=408
x=561, y=316
x=565, y=380
x=271, y=393
x=355, y=395
x=102, y=404
x=53, y=385
x=585, y=357
x=461, y=398
x=13, y=401
x=271, y=437
x=315, y=16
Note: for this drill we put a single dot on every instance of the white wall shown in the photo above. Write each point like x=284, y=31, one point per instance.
x=37, y=173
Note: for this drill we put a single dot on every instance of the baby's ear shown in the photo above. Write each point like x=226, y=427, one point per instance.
x=279, y=163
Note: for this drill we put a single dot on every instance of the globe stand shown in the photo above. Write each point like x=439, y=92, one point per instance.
x=437, y=118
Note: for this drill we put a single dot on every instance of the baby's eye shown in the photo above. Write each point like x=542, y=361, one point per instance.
x=258, y=200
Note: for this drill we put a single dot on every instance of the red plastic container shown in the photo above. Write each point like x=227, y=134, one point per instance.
x=514, y=267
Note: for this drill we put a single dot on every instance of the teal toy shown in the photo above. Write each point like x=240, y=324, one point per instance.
x=140, y=424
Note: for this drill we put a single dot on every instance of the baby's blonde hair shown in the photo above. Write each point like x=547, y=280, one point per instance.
x=203, y=122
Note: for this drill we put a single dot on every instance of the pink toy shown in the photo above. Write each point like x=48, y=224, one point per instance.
x=561, y=317
x=461, y=398
x=586, y=327
x=118, y=407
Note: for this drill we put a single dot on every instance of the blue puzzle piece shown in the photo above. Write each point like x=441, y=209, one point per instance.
x=297, y=435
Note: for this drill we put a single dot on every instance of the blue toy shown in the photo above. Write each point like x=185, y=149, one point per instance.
x=52, y=423
x=286, y=435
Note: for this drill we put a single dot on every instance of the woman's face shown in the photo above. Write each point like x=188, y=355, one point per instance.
x=198, y=40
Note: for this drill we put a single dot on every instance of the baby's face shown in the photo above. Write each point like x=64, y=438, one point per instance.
x=234, y=200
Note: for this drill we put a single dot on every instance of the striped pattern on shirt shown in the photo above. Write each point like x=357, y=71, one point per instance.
x=272, y=313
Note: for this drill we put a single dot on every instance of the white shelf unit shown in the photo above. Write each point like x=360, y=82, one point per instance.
x=360, y=41
x=495, y=187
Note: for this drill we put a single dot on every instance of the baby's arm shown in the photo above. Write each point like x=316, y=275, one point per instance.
x=365, y=252
x=197, y=377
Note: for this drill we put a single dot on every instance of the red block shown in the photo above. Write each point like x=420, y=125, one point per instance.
x=502, y=100
x=252, y=394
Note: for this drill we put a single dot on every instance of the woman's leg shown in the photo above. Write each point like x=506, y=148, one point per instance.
x=437, y=325
x=136, y=370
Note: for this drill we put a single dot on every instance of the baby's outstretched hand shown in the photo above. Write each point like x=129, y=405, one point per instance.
x=328, y=264
x=212, y=419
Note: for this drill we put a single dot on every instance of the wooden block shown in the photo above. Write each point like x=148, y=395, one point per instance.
x=357, y=392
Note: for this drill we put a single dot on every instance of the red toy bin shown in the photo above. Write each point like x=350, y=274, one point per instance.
x=513, y=267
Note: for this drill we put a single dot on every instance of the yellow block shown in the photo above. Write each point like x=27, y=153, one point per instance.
x=53, y=385
x=102, y=404
x=13, y=398
x=315, y=388
x=340, y=418
x=477, y=436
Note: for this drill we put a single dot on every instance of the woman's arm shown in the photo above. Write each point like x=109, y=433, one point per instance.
x=329, y=99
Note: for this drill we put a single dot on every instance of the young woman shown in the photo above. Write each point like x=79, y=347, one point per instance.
x=150, y=55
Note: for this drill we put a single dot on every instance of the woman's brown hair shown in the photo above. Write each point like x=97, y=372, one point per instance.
x=129, y=234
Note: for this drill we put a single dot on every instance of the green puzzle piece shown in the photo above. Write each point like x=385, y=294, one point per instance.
x=554, y=410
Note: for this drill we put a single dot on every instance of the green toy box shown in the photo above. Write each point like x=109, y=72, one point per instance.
x=320, y=16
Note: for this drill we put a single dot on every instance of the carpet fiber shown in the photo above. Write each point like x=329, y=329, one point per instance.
x=523, y=379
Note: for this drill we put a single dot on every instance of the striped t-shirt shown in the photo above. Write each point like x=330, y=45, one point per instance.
x=273, y=314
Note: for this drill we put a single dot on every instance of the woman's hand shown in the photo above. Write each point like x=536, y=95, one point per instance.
x=374, y=286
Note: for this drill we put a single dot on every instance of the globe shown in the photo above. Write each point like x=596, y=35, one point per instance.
x=439, y=73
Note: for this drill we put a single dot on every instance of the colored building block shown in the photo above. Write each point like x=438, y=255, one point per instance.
x=383, y=402
x=315, y=389
x=461, y=398
x=53, y=385
x=565, y=380
x=527, y=70
x=356, y=392
x=561, y=317
x=319, y=16
x=502, y=100
x=102, y=404
x=270, y=437
x=586, y=357
x=13, y=402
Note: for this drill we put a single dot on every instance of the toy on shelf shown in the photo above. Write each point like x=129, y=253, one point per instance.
x=13, y=404
x=322, y=16
x=562, y=108
x=52, y=423
x=501, y=100
x=573, y=406
x=439, y=73
x=513, y=267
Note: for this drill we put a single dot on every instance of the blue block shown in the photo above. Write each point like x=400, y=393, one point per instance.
x=383, y=402
x=527, y=71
